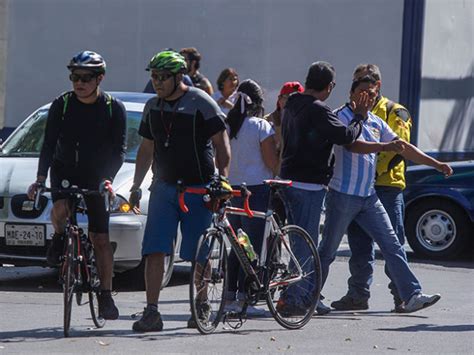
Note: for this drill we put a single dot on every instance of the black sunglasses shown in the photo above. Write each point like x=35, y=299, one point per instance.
x=85, y=78
x=161, y=77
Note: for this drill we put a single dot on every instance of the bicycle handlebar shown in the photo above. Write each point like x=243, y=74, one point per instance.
x=214, y=193
x=70, y=191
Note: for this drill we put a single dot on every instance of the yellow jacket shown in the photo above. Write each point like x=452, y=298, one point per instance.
x=390, y=166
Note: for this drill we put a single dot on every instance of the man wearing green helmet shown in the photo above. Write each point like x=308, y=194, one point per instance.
x=184, y=138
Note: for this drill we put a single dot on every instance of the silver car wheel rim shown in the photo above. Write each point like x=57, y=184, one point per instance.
x=436, y=230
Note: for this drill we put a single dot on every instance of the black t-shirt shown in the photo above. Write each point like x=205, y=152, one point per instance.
x=182, y=131
x=87, y=141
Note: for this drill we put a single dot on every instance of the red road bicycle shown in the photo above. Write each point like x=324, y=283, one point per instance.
x=78, y=270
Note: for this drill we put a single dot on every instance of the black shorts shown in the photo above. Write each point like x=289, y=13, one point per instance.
x=96, y=213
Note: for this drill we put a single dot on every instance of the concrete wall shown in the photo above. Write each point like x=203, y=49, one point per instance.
x=447, y=91
x=270, y=41
x=3, y=57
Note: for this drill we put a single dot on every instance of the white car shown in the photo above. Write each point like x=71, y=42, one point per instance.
x=25, y=233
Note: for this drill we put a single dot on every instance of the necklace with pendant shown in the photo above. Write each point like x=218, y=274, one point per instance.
x=168, y=127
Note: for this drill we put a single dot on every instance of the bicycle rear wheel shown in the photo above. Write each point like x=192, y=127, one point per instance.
x=294, y=277
x=69, y=277
x=99, y=322
x=79, y=298
x=208, y=281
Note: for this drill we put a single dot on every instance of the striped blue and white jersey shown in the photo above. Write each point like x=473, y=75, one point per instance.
x=354, y=174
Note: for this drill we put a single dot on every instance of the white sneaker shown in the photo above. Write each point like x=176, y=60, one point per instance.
x=322, y=309
x=253, y=311
x=233, y=306
x=420, y=301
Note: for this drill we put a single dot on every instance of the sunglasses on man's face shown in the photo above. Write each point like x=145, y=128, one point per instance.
x=161, y=77
x=85, y=78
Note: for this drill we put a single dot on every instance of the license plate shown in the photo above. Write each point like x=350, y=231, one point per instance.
x=25, y=234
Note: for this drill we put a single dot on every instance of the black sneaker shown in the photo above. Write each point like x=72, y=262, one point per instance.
x=107, y=308
x=348, y=303
x=149, y=322
x=55, y=250
x=204, y=312
x=399, y=308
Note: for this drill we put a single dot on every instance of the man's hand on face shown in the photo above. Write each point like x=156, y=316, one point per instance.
x=361, y=103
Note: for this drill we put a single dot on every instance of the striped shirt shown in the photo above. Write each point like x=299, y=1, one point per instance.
x=354, y=174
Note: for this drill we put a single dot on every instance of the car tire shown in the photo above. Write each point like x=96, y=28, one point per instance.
x=437, y=228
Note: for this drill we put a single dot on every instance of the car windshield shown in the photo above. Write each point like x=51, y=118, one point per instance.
x=28, y=139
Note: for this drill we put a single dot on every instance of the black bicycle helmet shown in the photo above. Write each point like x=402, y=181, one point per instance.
x=88, y=60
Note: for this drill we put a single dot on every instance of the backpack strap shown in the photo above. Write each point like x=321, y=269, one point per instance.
x=109, y=99
x=66, y=96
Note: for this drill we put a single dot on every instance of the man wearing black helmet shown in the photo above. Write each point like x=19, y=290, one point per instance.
x=184, y=138
x=84, y=143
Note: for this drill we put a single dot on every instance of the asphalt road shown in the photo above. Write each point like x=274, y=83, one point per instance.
x=31, y=319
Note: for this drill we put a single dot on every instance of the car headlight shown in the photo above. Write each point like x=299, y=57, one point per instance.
x=120, y=205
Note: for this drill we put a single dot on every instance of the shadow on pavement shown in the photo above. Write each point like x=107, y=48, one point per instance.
x=39, y=279
x=466, y=262
x=56, y=333
x=432, y=328
x=349, y=315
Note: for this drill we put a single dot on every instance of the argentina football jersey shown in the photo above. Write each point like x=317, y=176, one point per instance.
x=354, y=173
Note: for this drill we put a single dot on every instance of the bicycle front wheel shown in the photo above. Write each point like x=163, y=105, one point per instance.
x=208, y=281
x=69, y=281
x=94, y=287
x=294, y=277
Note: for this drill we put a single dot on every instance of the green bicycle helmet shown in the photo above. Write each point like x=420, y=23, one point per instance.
x=168, y=60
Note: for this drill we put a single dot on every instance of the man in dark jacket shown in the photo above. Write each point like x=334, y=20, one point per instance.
x=309, y=131
x=84, y=145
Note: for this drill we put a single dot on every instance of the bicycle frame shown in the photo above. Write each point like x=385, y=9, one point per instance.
x=272, y=228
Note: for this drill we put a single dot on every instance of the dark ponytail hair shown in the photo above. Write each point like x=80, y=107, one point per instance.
x=235, y=117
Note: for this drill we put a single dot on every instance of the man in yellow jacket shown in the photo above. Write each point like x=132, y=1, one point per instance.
x=389, y=184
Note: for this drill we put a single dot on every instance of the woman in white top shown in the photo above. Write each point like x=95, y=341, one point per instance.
x=226, y=94
x=254, y=159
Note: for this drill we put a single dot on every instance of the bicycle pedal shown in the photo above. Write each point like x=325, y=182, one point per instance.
x=135, y=315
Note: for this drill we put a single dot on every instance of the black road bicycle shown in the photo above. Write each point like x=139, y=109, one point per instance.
x=78, y=271
x=287, y=274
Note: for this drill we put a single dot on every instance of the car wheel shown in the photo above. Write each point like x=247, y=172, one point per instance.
x=437, y=228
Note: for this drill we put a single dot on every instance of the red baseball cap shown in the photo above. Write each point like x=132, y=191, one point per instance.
x=291, y=87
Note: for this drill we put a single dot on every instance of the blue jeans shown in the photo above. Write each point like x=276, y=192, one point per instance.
x=361, y=263
x=254, y=227
x=369, y=213
x=303, y=208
